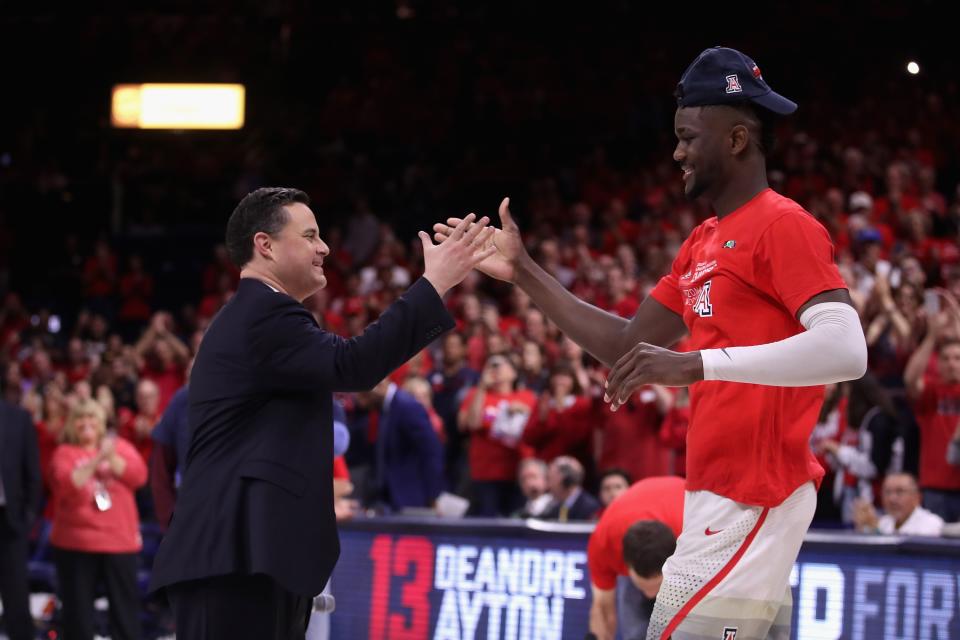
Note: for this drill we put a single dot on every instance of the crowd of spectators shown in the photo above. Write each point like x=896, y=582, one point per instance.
x=506, y=386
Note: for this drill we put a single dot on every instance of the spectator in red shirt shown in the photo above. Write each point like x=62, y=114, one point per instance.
x=96, y=530
x=563, y=421
x=495, y=414
x=937, y=408
x=136, y=291
x=78, y=364
x=630, y=436
x=162, y=357
x=100, y=276
x=219, y=266
x=214, y=301
x=136, y=427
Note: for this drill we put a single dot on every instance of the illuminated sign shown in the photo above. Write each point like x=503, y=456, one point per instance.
x=453, y=583
x=178, y=106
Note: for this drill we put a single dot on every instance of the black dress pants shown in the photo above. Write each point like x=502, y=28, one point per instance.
x=14, y=590
x=238, y=607
x=79, y=573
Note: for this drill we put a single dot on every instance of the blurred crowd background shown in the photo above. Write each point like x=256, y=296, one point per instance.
x=392, y=116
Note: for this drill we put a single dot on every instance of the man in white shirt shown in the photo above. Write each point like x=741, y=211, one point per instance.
x=903, y=513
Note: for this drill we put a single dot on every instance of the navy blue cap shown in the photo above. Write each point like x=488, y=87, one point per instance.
x=724, y=76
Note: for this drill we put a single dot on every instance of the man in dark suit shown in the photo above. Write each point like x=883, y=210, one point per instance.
x=19, y=498
x=570, y=501
x=253, y=536
x=409, y=455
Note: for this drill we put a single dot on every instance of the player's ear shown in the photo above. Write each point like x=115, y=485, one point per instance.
x=739, y=139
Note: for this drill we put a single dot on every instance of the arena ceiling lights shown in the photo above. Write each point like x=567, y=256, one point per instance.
x=178, y=106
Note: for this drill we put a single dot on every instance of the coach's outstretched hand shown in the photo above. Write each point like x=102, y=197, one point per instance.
x=649, y=364
x=468, y=244
x=507, y=244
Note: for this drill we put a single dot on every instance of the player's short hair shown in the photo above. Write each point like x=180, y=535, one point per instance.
x=646, y=546
x=614, y=471
x=260, y=210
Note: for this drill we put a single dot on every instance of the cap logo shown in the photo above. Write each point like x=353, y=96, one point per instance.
x=733, y=84
x=756, y=71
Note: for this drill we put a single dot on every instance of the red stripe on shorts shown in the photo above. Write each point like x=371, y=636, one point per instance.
x=727, y=568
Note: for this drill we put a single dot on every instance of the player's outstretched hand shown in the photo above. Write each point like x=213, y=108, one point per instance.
x=468, y=244
x=649, y=364
x=507, y=242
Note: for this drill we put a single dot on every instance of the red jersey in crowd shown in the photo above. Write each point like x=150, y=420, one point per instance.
x=127, y=429
x=739, y=282
x=168, y=381
x=631, y=437
x=78, y=524
x=565, y=430
x=937, y=411
x=491, y=459
x=659, y=498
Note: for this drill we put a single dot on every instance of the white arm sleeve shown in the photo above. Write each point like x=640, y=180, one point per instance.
x=832, y=349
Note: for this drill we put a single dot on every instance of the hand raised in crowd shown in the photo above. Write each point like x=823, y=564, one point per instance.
x=864, y=516
x=446, y=264
x=506, y=242
x=649, y=364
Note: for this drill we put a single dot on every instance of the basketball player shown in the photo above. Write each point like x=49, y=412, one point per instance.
x=770, y=321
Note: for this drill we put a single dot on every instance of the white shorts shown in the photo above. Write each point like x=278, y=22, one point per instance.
x=729, y=578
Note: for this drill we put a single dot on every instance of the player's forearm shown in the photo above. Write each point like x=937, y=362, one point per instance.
x=832, y=349
x=598, y=332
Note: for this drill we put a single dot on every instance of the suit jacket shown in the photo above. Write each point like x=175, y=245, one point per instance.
x=585, y=507
x=257, y=493
x=19, y=466
x=409, y=454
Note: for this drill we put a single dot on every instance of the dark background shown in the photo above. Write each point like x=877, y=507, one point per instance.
x=419, y=109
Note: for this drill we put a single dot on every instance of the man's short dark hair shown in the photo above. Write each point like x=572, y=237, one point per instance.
x=614, y=471
x=260, y=210
x=646, y=546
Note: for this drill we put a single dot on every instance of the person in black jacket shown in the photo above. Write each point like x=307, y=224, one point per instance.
x=570, y=501
x=19, y=498
x=253, y=535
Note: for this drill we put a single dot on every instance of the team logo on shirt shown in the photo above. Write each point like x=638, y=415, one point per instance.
x=733, y=84
x=729, y=244
x=702, y=305
x=729, y=633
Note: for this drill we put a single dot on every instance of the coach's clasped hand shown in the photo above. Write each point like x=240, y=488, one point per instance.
x=448, y=263
x=649, y=364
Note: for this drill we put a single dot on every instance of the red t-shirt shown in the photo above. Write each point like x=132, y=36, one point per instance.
x=659, y=498
x=631, y=437
x=565, y=430
x=168, y=380
x=127, y=430
x=77, y=523
x=937, y=410
x=739, y=282
x=340, y=469
x=491, y=459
